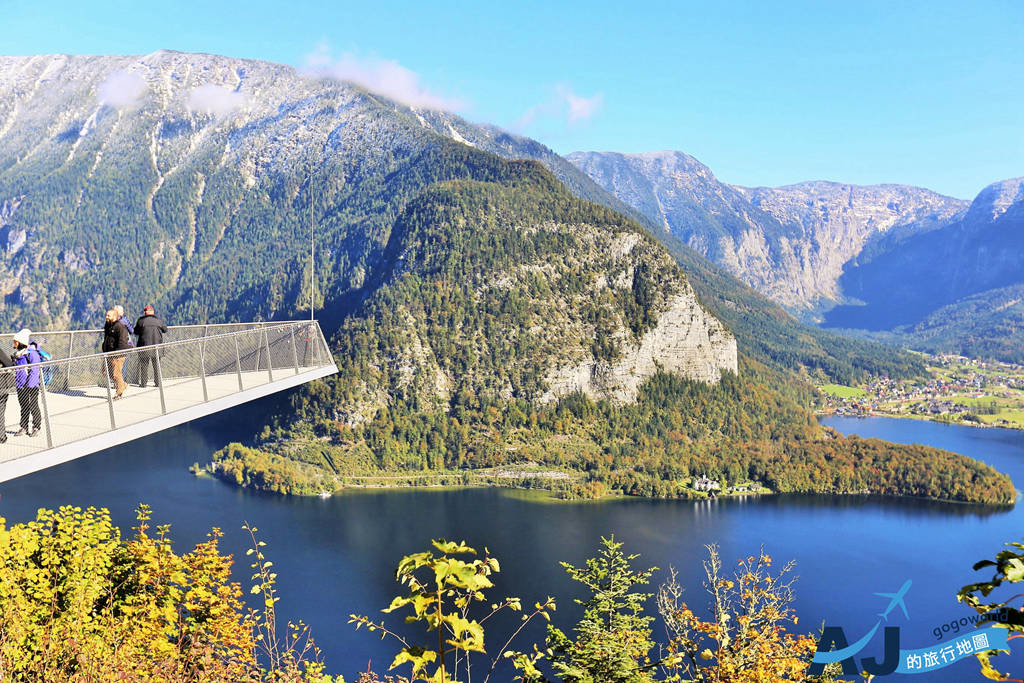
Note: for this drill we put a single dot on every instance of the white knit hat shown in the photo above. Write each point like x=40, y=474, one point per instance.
x=23, y=337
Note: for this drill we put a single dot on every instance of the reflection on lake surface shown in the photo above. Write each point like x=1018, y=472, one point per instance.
x=337, y=556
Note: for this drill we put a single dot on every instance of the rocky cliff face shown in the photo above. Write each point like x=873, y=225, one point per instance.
x=506, y=292
x=791, y=243
x=686, y=341
x=999, y=201
x=831, y=224
x=937, y=273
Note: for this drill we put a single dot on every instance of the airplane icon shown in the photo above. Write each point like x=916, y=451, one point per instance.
x=895, y=599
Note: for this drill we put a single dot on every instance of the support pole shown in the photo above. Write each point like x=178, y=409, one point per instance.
x=160, y=380
x=71, y=346
x=110, y=398
x=46, y=410
x=238, y=364
x=266, y=347
x=295, y=351
x=202, y=370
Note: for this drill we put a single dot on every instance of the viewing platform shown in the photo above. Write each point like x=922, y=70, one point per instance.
x=203, y=369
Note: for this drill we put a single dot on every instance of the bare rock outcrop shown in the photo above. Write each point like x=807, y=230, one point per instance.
x=686, y=340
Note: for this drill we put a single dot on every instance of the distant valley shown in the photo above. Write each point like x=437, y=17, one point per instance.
x=905, y=263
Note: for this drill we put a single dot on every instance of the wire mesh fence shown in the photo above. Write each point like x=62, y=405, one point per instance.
x=82, y=392
x=72, y=343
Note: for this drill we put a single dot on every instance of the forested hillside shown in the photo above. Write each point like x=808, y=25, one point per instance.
x=190, y=181
x=749, y=427
x=444, y=369
x=508, y=286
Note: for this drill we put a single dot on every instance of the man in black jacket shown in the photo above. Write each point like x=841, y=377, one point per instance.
x=115, y=338
x=150, y=331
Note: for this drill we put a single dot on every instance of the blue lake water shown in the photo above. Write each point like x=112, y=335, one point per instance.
x=337, y=556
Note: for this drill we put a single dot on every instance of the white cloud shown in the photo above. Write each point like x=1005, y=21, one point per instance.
x=213, y=99
x=582, y=108
x=386, y=77
x=121, y=89
x=563, y=105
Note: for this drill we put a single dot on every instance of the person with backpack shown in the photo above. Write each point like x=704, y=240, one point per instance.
x=116, y=338
x=126, y=322
x=47, y=370
x=150, y=330
x=130, y=361
x=26, y=381
x=6, y=384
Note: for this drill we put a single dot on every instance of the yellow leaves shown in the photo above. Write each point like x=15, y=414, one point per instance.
x=468, y=636
x=452, y=548
x=443, y=609
x=987, y=670
x=1009, y=568
x=127, y=610
x=418, y=657
x=746, y=631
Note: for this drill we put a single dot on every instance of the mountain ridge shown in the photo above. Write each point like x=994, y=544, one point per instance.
x=790, y=242
x=982, y=251
x=193, y=128
x=885, y=262
x=149, y=179
x=222, y=152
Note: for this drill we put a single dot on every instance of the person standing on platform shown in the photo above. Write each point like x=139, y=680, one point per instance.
x=116, y=338
x=6, y=384
x=126, y=322
x=130, y=360
x=150, y=331
x=27, y=383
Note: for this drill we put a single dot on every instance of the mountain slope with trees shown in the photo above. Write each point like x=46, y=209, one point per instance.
x=884, y=262
x=153, y=177
x=442, y=372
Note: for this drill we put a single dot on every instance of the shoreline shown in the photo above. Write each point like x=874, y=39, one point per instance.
x=920, y=418
x=550, y=496
x=502, y=478
x=988, y=393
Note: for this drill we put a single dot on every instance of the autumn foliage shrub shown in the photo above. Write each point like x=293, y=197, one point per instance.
x=79, y=604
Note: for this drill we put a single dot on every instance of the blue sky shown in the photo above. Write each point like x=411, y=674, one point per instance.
x=923, y=93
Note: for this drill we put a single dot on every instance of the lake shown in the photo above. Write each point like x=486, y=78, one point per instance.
x=337, y=556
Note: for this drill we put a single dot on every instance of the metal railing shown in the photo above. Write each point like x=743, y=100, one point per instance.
x=71, y=343
x=83, y=392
